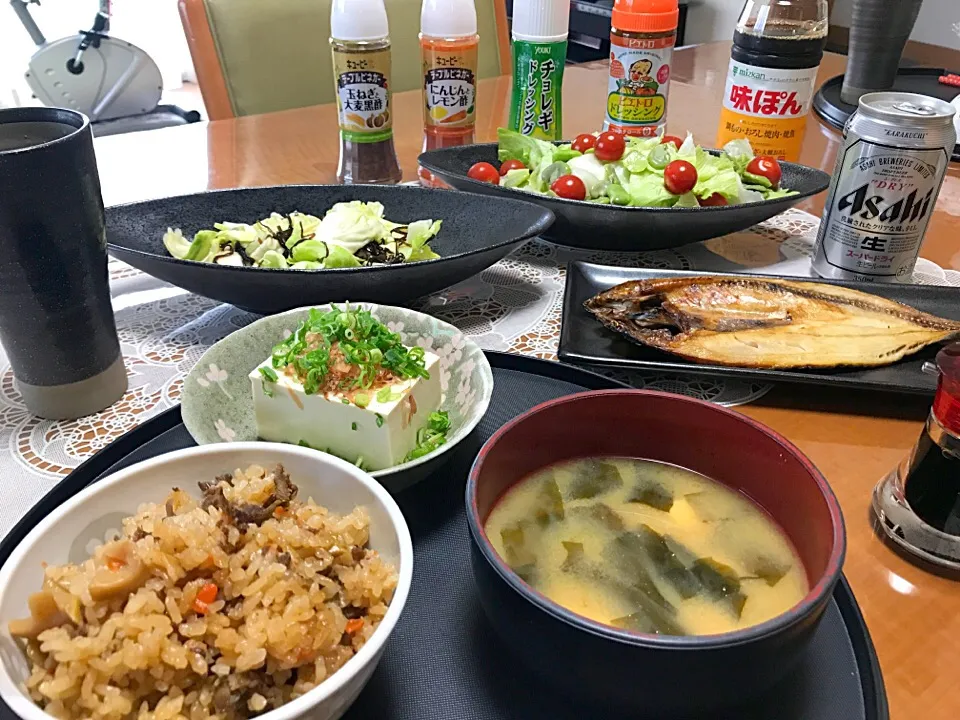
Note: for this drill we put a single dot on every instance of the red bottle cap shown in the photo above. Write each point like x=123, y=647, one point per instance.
x=946, y=404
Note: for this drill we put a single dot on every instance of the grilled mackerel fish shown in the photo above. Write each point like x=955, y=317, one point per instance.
x=760, y=323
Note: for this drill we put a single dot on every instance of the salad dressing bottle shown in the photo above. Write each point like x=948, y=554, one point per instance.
x=448, y=49
x=540, y=29
x=361, y=67
x=642, y=36
x=777, y=48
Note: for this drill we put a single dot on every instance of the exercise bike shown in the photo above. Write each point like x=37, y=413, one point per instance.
x=113, y=82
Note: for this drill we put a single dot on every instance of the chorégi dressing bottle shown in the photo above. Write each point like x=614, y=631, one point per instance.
x=642, y=36
x=360, y=41
x=449, y=45
x=540, y=29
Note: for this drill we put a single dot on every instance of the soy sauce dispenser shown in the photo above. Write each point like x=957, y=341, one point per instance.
x=918, y=504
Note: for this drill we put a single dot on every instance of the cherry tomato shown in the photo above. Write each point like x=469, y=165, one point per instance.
x=570, y=187
x=484, y=172
x=766, y=166
x=712, y=200
x=671, y=139
x=583, y=142
x=610, y=146
x=679, y=177
x=510, y=165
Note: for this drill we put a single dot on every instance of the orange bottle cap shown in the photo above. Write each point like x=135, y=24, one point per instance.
x=645, y=15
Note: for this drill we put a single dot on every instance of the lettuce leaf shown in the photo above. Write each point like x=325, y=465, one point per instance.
x=515, y=178
x=589, y=169
x=647, y=190
x=340, y=257
x=351, y=225
x=739, y=152
x=273, y=259
x=176, y=244
x=528, y=150
x=726, y=182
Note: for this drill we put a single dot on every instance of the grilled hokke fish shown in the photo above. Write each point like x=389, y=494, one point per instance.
x=760, y=323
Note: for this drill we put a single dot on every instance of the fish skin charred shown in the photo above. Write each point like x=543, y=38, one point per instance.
x=764, y=323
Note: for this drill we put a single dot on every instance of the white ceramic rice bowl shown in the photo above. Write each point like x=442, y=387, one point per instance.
x=66, y=534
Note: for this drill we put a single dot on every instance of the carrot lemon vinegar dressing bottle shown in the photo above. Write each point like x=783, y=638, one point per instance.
x=642, y=36
x=361, y=69
x=777, y=48
x=448, y=51
x=540, y=29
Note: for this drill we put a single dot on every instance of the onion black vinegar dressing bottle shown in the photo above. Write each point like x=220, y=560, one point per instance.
x=777, y=48
x=918, y=504
x=361, y=68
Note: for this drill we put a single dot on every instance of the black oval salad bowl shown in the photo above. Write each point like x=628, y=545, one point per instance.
x=592, y=226
x=476, y=232
x=654, y=675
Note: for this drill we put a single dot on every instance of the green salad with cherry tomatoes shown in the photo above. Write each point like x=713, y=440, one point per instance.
x=614, y=169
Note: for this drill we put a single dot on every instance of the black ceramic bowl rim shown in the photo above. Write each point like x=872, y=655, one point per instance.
x=54, y=115
x=814, y=597
x=424, y=161
x=543, y=224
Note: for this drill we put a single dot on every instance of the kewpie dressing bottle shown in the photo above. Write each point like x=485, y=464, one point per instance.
x=642, y=36
x=361, y=69
x=448, y=49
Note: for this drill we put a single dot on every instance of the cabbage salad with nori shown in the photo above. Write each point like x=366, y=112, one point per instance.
x=351, y=234
x=637, y=177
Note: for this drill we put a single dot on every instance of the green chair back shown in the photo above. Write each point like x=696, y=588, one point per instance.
x=275, y=54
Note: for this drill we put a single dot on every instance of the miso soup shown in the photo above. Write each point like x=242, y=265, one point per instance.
x=647, y=547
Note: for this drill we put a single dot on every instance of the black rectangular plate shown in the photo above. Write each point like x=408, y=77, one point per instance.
x=584, y=340
x=443, y=661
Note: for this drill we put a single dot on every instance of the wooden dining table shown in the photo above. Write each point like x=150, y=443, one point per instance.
x=855, y=438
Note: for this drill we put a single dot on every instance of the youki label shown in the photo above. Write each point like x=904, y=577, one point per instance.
x=639, y=80
x=450, y=87
x=363, y=94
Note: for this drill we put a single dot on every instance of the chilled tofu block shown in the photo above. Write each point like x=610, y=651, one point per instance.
x=380, y=435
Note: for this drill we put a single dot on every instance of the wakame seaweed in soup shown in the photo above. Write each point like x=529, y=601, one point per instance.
x=647, y=547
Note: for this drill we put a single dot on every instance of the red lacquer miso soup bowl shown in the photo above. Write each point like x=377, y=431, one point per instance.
x=656, y=675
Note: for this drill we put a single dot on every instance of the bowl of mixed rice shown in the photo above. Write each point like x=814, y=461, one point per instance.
x=214, y=583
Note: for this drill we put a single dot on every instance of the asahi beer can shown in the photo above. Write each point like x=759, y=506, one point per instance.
x=896, y=148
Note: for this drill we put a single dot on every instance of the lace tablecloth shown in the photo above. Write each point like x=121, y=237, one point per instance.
x=513, y=306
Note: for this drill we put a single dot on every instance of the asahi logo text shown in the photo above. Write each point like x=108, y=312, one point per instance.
x=859, y=204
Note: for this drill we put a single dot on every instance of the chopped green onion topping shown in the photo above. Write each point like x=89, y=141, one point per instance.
x=346, y=401
x=379, y=420
x=268, y=376
x=363, y=340
x=430, y=437
x=386, y=394
x=361, y=400
x=353, y=426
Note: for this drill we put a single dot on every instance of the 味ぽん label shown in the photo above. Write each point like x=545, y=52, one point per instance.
x=638, y=84
x=363, y=94
x=768, y=107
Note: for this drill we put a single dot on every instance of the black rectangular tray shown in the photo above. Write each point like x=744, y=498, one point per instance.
x=443, y=661
x=584, y=340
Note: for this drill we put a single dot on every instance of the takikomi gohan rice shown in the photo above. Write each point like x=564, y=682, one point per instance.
x=224, y=608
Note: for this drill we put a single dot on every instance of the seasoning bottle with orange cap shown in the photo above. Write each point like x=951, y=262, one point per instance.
x=642, y=37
